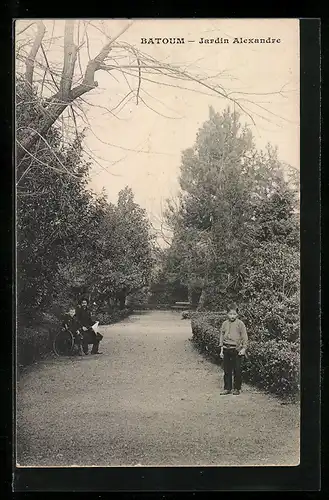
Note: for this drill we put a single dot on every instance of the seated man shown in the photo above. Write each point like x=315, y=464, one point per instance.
x=70, y=323
x=85, y=322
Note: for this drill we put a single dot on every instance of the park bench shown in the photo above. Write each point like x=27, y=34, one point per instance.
x=181, y=306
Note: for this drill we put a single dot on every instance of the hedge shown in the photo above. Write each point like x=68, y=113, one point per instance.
x=35, y=341
x=271, y=365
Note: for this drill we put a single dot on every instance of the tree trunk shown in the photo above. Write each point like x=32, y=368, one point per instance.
x=66, y=95
x=202, y=300
x=122, y=302
x=190, y=295
x=33, y=53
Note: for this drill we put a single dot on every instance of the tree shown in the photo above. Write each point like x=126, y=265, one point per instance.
x=269, y=291
x=69, y=240
x=274, y=202
x=121, y=256
x=233, y=200
x=51, y=208
x=214, y=200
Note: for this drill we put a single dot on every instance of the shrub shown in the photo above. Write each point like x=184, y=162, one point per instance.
x=109, y=317
x=272, y=365
x=205, y=335
x=272, y=318
x=35, y=342
x=139, y=299
x=213, y=318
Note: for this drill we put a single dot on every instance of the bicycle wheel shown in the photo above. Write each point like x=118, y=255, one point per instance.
x=63, y=343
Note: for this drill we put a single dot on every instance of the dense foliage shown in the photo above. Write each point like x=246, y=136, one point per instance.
x=71, y=242
x=236, y=237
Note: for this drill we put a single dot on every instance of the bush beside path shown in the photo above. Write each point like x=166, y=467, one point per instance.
x=150, y=399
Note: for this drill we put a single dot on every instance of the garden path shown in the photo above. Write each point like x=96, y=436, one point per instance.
x=149, y=399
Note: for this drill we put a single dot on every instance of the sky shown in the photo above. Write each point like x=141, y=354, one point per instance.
x=140, y=144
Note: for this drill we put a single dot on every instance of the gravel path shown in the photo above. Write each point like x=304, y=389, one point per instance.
x=150, y=399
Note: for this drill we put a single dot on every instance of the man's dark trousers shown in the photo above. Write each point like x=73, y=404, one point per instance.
x=90, y=337
x=232, y=369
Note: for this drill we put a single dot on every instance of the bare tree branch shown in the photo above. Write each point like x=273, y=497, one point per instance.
x=139, y=80
x=61, y=99
x=157, y=112
x=162, y=103
x=122, y=100
x=50, y=149
x=24, y=29
x=48, y=67
x=113, y=57
x=94, y=65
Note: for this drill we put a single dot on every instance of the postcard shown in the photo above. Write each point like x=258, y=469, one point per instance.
x=158, y=242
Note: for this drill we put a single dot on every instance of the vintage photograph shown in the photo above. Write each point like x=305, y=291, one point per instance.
x=157, y=242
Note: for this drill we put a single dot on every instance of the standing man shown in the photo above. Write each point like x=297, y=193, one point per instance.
x=233, y=343
x=85, y=321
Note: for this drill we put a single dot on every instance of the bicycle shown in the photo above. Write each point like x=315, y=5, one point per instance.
x=65, y=343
